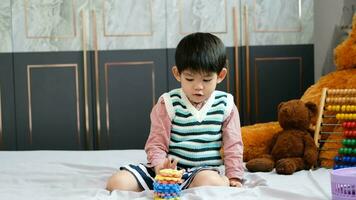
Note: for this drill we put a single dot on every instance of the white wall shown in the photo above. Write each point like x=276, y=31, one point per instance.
x=329, y=15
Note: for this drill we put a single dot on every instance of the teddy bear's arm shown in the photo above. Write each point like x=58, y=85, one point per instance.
x=273, y=142
x=310, y=152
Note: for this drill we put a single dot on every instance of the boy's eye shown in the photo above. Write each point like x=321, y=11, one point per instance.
x=207, y=80
x=189, y=79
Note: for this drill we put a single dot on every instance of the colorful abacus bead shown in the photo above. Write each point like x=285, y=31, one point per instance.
x=347, y=151
x=349, y=142
x=335, y=108
x=350, y=133
x=346, y=116
x=342, y=108
x=347, y=159
x=349, y=124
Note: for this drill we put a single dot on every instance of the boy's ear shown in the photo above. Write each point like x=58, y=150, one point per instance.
x=222, y=75
x=176, y=73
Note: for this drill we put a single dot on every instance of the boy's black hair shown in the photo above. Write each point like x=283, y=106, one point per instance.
x=200, y=52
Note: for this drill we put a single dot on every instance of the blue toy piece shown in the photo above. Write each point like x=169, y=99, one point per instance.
x=166, y=188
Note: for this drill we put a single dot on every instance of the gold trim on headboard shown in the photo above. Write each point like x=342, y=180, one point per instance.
x=119, y=64
x=29, y=93
x=236, y=57
x=85, y=69
x=300, y=59
x=97, y=84
x=248, y=83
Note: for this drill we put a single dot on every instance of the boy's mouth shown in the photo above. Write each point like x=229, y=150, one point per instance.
x=198, y=96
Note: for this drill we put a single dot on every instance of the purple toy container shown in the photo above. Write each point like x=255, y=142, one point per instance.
x=343, y=184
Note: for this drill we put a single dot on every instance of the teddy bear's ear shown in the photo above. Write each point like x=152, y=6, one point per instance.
x=312, y=107
x=280, y=105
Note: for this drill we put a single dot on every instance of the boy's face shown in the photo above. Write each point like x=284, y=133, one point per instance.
x=198, y=86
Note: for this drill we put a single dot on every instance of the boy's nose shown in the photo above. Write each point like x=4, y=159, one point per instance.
x=198, y=86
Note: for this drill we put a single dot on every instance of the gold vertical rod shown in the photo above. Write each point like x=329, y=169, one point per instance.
x=29, y=104
x=236, y=57
x=320, y=116
x=248, y=92
x=107, y=101
x=153, y=86
x=96, y=64
x=86, y=106
x=77, y=103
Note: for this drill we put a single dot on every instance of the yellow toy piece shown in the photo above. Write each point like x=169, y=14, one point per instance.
x=166, y=178
x=171, y=173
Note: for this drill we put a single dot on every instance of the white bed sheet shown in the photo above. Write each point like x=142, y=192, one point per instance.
x=76, y=175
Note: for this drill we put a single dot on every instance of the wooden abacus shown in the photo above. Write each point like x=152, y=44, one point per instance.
x=338, y=109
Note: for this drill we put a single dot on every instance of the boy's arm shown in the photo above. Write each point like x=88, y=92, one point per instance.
x=158, y=140
x=233, y=146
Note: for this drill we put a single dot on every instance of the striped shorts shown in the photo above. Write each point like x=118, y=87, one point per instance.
x=145, y=175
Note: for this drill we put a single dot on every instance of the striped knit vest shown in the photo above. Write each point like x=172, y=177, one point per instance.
x=196, y=137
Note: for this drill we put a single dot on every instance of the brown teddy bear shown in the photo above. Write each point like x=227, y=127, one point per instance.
x=293, y=148
x=257, y=138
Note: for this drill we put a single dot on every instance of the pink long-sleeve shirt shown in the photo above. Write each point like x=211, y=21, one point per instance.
x=158, y=141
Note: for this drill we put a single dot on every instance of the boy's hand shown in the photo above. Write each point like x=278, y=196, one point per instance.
x=169, y=163
x=235, y=182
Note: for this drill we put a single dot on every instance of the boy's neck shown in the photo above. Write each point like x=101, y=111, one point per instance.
x=198, y=106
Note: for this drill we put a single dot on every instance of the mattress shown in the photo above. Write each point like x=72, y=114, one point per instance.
x=75, y=175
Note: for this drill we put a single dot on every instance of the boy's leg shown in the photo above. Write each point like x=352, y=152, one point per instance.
x=132, y=178
x=123, y=180
x=209, y=177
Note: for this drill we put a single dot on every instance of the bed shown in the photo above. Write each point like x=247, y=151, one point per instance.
x=76, y=175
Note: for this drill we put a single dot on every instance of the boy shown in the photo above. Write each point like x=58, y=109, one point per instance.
x=191, y=124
